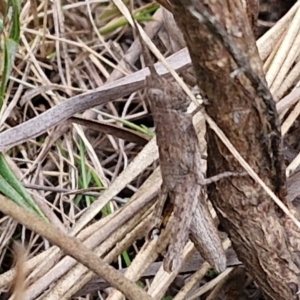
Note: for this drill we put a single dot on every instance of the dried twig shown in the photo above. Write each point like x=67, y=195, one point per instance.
x=74, y=248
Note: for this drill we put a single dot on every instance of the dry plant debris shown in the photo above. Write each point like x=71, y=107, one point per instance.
x=81, y=60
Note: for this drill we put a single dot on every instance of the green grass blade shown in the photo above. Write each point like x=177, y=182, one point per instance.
x=121, y=22
x=11, y=180
x=11, y=193
x=126, y=258
x=85, y=176
x=15, y=29
x=10, y=45
x=142, y=128
x=10, y=49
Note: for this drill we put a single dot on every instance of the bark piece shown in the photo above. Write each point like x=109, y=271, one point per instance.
x=264, y=238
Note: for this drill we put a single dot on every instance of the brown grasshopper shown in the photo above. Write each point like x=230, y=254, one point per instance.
x=183, y=182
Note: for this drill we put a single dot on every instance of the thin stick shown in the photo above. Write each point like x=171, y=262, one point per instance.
x=74, y=248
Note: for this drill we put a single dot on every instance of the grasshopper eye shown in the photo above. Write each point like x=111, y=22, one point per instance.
x=157, y=93
x=156, y=97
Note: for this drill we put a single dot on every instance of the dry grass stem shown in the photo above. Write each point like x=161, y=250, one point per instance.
x=78, y=134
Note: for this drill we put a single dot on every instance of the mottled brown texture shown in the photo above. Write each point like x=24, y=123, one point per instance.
x=230, y=77
x=207, y=244
x=179, y=156
x=252, y=10
x=183, y=181
x=179, y=159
